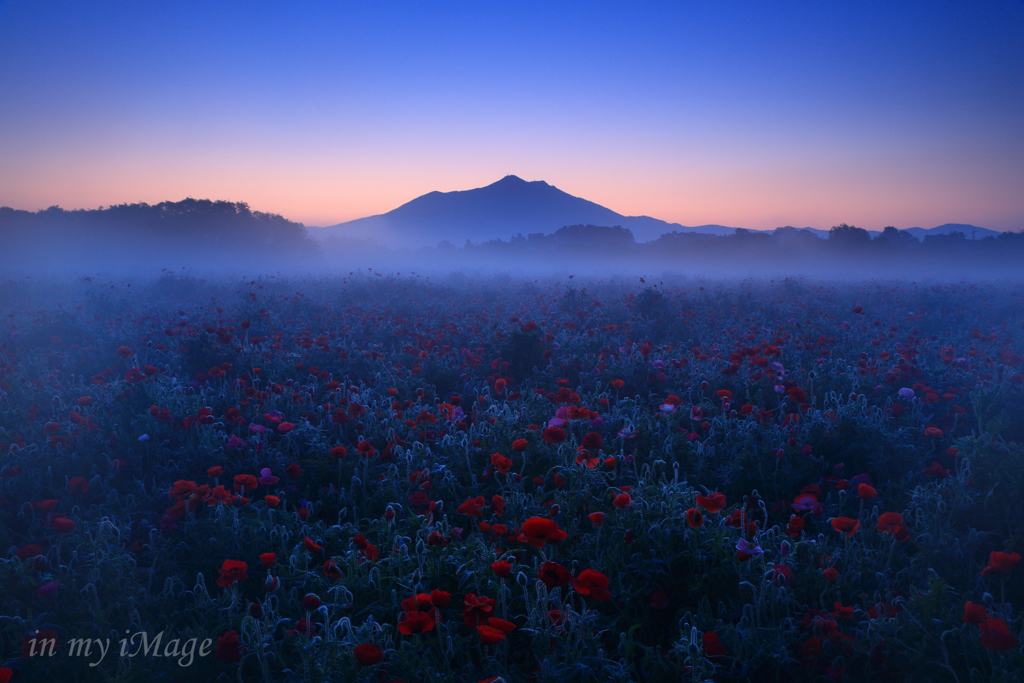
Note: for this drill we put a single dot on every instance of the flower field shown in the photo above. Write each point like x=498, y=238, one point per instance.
x=396, y=479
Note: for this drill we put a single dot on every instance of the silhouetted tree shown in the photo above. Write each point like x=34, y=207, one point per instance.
x=847, y=236
x=895, y=238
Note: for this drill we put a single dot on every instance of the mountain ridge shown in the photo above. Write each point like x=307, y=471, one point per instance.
x=500, y=210
x=514, y=206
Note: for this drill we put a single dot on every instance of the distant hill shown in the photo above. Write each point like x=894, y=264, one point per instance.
x=969, y=231
x=498, y=211
x=193, y=232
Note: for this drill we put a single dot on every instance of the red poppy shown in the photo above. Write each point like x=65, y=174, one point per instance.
x=268, y=559
x=795, y=526
x=622, y=501
x=831, y=573
x=974, y=614
x=806, y=502
x=285, y=427
x=1001, y=562
x=228, y=647
x=618, y=383
x=476, y=609
x=888, y=521
x=272, y=501
x=415, y=622
x=519, y=445
x=338, y=452
x=997, y=635
x=439, y=598
x=554, y=435
x=593, y=583
x=866, y=492
x=367, y=654
x=490, y=635
x=933, y=432
x=366, y=449
x=501, y=568
x=540, y=530
x=215, y=471
x=331, y=570
x=311, y=545
x=63, y=525
x=936, y=470
x=553, y=574
x=845, y=525
x=713, y=503
x=596, y=518
x=28, y=551
x=182, y=489
x=231, y=571
x=501, y=463
x=246, y=483
x=659, y=599
x=694, y=518
x=712, y=647
x=471, y=506
x=419, y=602
x=811, y=648
x=501, y=625
x=781, y=573
x=592, y=441
x=584, y=457
x=123, y=352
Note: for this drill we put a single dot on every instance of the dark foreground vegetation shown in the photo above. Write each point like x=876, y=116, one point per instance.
x=384, y=479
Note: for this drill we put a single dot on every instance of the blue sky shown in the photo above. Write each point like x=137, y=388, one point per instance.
x=750, y=114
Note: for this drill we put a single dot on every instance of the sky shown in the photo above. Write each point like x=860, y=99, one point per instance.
x=756, y=115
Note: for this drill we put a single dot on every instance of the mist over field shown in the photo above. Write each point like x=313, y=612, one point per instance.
x=615, y=477
x=202, y=236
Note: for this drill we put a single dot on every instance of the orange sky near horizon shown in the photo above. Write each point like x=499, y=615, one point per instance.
x=745, y=115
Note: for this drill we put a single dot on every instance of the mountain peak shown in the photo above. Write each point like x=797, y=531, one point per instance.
x=510, y=181
x=498, y=211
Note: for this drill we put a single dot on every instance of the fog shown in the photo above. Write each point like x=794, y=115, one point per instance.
x=200, y=238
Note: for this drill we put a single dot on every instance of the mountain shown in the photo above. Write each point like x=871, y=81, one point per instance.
x=514, y=206
x=498, y=211
x=969, y=231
